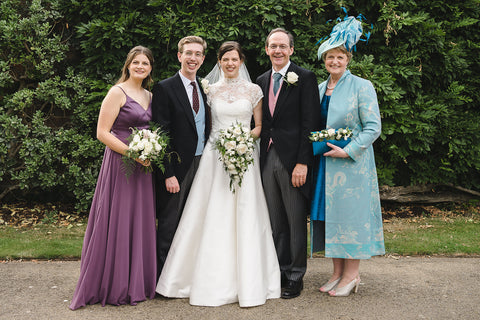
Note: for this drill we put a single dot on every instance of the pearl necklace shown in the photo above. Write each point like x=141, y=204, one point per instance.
x=331, y=87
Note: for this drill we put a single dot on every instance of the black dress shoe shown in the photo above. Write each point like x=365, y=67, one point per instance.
x=283, y=281
x=292, y=289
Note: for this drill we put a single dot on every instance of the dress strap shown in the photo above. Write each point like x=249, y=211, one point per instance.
x=122, y=90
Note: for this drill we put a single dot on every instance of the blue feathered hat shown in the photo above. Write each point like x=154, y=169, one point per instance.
x=347, y=33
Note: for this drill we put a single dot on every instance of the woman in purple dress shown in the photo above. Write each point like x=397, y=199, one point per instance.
x=118, y=257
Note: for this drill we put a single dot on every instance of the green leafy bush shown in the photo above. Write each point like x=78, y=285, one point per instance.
x=58, y=58
x=47, y=147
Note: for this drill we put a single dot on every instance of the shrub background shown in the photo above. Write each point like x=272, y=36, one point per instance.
x=58, y=58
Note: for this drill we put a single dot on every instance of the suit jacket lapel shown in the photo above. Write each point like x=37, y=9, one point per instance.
x=202, y=93
x=266, y=93
x=182, y=97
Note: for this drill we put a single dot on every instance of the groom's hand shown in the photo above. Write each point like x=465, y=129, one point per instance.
x=172, y=184
x=299, y=175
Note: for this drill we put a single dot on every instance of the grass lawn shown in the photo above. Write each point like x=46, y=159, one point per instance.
x=429, y=236
x=452, y=230
x=424, y=230
x=41, y=242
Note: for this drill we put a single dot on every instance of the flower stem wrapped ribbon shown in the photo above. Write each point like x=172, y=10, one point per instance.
x=339, y=137
x=236, y=146
x=145, y=144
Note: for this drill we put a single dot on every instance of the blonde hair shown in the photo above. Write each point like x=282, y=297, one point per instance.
x=135, y=51
x=192, y=39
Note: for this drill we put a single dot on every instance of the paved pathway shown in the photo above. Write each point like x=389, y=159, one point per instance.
x=391, y=288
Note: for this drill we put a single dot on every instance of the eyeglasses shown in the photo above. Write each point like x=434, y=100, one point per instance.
x=191, y=54
x=281, y=47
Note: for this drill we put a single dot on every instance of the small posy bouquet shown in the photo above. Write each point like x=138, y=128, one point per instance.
x=236, y=148
x=145, y=144
x=340, y=137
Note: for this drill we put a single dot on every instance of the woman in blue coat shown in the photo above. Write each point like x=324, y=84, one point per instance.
x=349, y=199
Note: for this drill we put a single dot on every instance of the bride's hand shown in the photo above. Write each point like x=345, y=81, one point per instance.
x=255, y=133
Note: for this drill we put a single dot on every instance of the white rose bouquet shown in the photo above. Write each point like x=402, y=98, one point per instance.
x=145, y=144
x=236, y=148
x=340, y=137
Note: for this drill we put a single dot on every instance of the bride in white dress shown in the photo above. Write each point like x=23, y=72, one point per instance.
x=223, y=250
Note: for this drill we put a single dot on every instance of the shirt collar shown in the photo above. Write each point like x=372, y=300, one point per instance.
x=185, y=80
x=282, y=71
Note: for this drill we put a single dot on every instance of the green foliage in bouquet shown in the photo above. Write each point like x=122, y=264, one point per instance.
x=236, y=146
x=147, y=145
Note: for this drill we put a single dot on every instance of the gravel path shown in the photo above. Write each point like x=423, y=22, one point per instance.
x=391, y=288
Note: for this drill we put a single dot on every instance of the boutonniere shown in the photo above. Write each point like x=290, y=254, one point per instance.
x=205, y=85
x=291, y=78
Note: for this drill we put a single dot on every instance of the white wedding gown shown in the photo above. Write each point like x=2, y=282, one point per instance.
x=223, y=250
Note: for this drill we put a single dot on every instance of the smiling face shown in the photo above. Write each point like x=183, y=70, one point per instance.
x=230, y=63
x=279, y=50
x=140, y=67
x=191, y=58
x=336, y=62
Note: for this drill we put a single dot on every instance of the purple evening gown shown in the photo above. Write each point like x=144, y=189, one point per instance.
x=118, y=263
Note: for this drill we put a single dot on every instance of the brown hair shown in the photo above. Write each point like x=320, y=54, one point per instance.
x=230, y=46
x=135, y=51
x=339, y=48
x=290, y=36
x=192, y=39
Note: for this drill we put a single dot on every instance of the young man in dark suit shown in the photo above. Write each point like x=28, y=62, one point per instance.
x=290, y=100
x=179, y=105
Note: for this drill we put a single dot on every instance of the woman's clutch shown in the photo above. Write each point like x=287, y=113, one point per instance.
x=339, y=137
x=320, y=147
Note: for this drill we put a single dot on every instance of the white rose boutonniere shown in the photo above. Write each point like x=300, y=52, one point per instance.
x=291, y=78
x=205, y=85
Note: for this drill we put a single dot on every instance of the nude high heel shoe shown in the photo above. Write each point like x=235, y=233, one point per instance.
x=345, y=291
x=329, y=285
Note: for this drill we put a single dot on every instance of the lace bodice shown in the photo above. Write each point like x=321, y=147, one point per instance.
x=231, y=101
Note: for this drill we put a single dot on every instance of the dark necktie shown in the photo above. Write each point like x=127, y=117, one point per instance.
x=195, y=102
x=276, y=82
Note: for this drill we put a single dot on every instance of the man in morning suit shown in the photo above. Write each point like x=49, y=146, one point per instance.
x=286, y=155
x=179, y=106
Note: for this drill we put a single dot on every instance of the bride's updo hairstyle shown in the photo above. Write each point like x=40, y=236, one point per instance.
x=217, y=74
x=229, y=46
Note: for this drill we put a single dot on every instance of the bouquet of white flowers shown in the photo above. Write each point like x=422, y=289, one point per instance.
x=145, y=144
x=339, y=137
x=236, y=148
